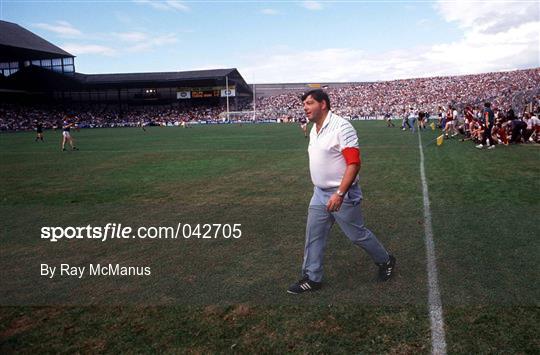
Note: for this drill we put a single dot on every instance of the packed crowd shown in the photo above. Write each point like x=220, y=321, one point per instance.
x=515, y=90
x=373, y=100
x=20, y=118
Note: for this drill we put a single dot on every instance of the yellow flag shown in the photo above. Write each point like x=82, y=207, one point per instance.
x=432, y=125
x=440, y=139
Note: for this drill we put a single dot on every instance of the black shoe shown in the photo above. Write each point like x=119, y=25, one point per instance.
x=304, y=285
x=386, y=270
x=75, y=148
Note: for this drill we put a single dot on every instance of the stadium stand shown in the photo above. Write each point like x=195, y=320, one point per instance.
x=36, y=71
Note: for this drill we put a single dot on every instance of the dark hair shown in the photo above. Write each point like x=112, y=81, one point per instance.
x=487, y=104
x=317, y=95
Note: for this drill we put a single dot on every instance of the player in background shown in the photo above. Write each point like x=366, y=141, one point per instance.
x=388, y=118
x=303, y=125
x=477, y=130
x=469, y=120
x=450, y=122
x=441, y=117
x=405, y=121
x=141, y=124
x=421, y=120
x=66, y=136
x=39, y=131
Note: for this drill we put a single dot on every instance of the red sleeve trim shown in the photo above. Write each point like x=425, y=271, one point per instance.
x=351, y=155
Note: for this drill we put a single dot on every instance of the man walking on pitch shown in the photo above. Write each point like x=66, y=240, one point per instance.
x=334, y=162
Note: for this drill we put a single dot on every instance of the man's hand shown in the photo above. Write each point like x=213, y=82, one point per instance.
x=334, y=203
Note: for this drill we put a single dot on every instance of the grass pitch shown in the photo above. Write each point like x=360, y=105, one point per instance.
x=217, y=295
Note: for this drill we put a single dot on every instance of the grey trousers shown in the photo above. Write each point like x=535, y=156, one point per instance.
x=349, y=217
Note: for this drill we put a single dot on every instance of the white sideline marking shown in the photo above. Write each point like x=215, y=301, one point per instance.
x=438, y=342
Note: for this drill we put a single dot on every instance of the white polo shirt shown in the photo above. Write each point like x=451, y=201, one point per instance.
x=326, y=162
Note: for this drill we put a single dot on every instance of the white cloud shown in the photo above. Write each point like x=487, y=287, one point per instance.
x=269, y=12
x=151, y=42
x=122, y=43
x=168, y=5
x=155, y=4
x=78, y=49
x=312, y=5
x=131, y=36
x=496, y=36
x=177, y=5
x=488, y=17
x=62, y=28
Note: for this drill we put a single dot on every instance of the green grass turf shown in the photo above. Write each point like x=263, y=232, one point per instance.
x=214, y=295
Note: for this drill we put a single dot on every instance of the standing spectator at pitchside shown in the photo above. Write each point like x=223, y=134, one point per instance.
x=535, y=126
x=334, y=162
x=412, y=119
x=450, y=122
x=489, y=121
x=529, y=130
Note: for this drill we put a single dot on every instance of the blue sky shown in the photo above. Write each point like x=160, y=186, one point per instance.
x=289, y=41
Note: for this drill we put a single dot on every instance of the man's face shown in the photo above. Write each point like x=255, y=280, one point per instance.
x=314, y=110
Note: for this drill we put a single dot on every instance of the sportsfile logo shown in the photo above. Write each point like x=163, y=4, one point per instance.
x=118, y=231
